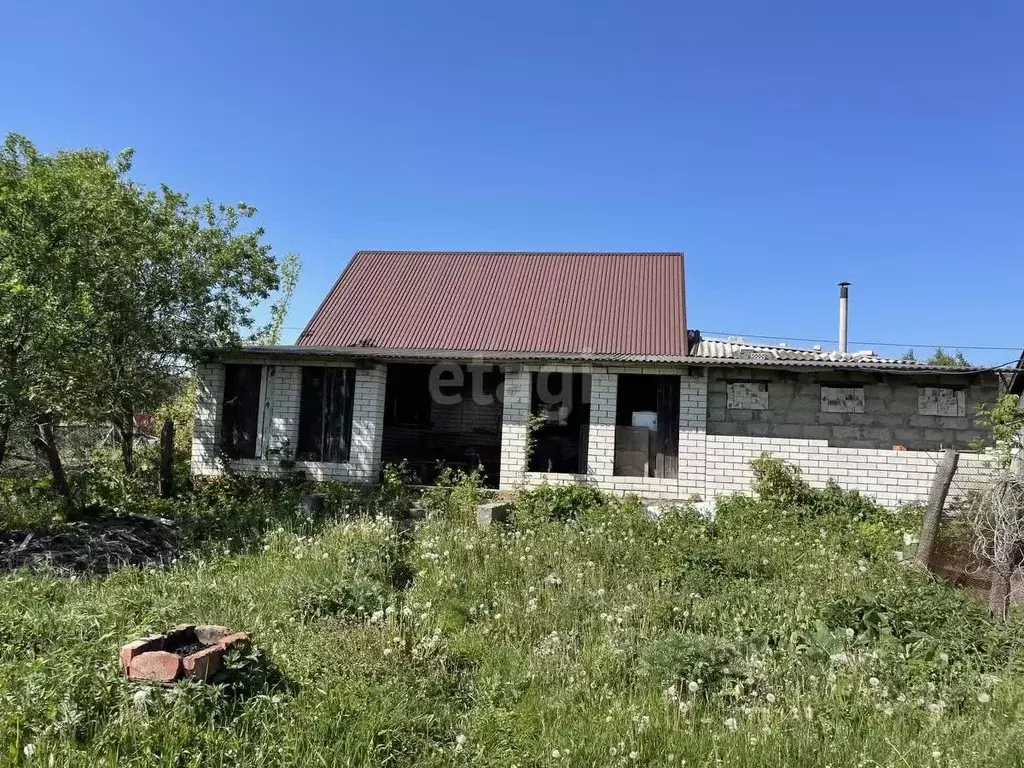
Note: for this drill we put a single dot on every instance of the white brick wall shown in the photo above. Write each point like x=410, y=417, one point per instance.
x=279, y=424
x=206, y=429
x=709, y=465
x=601, y=443
x=515, y=406
x=892, y=478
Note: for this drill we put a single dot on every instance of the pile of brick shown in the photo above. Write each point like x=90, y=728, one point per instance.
x=187, y=651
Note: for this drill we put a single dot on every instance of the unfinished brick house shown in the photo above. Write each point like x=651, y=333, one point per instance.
x=437, y=359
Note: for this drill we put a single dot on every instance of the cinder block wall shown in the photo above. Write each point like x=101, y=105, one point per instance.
x=890, y=414
x=278, y=434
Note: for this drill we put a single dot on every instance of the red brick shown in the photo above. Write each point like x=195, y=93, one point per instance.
x=203, y=664
x=155, y=667
x=138, y=647
x=238, y=638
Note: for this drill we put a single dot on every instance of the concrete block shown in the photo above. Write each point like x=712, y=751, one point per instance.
x=815, y=432
x=493, y=512
x=881, y=437
x=848, y=433
x=939, y=437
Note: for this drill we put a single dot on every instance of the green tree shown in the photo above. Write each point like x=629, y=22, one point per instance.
x=52, y=227
x=956, y=360
x=291, y=265
x=180, y=279
x=1004, y=422
x=111, y=291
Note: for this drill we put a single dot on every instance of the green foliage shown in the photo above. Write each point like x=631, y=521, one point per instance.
x=781, y=485
x=534, y=421
x=956, y=360
x=291, y=265
x=1004, y=421
x=940, y=357
x=396, y=493
x=580, y=634
x=588, y=628
x=685, y=657
x=110, y=292
x=352, y=600
x=454, y=495
x=558, y=503
x=777, y=482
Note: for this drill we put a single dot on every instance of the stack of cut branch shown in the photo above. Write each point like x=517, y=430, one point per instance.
x=96, y=545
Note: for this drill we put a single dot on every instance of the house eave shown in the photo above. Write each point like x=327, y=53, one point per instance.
x=383, y=355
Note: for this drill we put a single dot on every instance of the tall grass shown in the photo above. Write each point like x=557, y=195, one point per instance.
x=586, y=634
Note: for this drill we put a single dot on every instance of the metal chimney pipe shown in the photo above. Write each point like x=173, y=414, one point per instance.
x=844, y=314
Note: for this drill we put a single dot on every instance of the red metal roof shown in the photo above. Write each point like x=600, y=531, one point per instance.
x=576, y=303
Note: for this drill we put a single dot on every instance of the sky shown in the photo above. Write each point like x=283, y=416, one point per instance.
x=782, y=146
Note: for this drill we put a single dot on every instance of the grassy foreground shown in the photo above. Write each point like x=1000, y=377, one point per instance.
x=585, y=635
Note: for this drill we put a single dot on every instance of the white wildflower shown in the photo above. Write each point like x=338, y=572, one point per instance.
x=692, y=686
x=731, y=724
x=29, y=750
x=984, y=698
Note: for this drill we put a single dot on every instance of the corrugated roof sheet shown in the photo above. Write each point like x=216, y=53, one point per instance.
x=732, y=352
x=629, y=304
x=836, y=362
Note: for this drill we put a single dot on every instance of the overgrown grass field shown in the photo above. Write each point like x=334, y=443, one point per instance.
x=783, y=633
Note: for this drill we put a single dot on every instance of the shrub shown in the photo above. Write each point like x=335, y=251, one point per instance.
x=779, y=483
x=683, y=657
x=395, y=494
x=454, y=495
x=353, y=600
x=562, y=503
x=835, y=500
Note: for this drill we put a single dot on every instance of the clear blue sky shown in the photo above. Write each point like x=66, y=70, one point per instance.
x=783, y=146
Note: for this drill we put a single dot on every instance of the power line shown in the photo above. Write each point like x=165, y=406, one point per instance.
x=902, y=344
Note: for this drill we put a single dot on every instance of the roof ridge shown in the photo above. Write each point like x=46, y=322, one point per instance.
x=520, y=253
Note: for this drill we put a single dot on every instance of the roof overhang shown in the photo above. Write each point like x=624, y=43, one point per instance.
x=374, y=354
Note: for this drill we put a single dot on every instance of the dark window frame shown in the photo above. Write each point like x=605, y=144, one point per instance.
x=240, y=417
x=662, y=394
x=326, y=406
x=561, y=448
